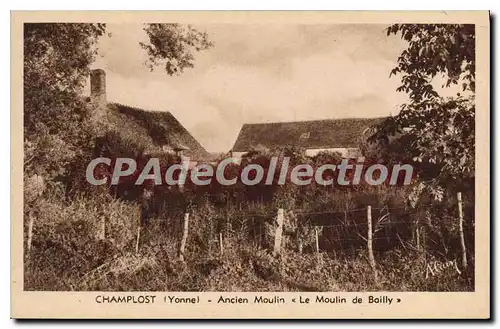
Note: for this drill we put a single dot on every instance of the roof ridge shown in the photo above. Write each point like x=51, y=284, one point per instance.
x=313, y=120
x=323, y=133
x=137, y=108
x=163, y=122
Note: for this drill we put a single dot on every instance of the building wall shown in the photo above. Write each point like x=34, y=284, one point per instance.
x=345, y=152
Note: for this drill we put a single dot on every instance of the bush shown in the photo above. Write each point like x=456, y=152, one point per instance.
x=66, y=240
x=68, y=254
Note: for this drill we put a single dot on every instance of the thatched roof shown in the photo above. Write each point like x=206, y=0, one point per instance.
x=316, y=134
x=155, y=130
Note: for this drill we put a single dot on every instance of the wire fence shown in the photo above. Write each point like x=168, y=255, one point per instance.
x=369, y=229
x=328, y=230
x=357, y=233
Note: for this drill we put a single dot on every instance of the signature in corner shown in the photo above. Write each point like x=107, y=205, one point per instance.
x=437, y=267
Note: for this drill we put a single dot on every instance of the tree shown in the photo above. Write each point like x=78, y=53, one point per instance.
x=57, y=59
x=172, y=46
x=56, y=62
x=438, y=132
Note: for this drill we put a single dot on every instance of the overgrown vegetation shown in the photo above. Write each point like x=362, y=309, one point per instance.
x=68, y=251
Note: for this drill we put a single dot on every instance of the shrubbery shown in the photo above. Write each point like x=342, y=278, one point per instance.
x=68, y=254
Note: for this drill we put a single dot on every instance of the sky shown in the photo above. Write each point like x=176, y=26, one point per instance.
x=257, y=74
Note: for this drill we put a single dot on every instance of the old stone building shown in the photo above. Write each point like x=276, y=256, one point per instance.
x=334, y=135
x=157, y=131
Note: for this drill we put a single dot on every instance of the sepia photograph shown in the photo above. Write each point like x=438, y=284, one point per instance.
x=238, y=157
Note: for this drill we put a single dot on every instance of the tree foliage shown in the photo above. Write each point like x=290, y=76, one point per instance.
x=56, y=65
x=57, y=60
x=434, y=49
x=172, y=46
x=438, y=132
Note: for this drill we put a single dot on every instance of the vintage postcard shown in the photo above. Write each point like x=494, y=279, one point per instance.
x=250, y=165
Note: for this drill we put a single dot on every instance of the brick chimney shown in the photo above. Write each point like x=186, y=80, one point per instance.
x=98, y=86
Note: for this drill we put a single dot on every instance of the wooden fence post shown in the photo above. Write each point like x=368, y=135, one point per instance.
x=279, y=233
x=461, y=229
x=221, y=245
x=417, y=233
x=370, y=243
x=138, y=239
x=423, y=243
x=30, y=232
x=317, y=242
x=103, y=228
x=184, y=236
x=300, y=244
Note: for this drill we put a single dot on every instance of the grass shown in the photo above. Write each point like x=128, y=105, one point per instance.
x=67, y=255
